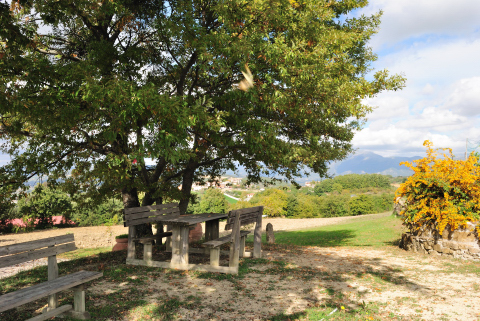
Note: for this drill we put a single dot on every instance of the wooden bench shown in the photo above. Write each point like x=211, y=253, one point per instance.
x=49, y=247
x=235, y=220
x=148, y=214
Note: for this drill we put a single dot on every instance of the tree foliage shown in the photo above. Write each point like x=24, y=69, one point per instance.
x=352, y=182
x=42, y=204
x=361, y=204
x=213, y=201
x=127, y=96
x=275, y=202
x=106, y=213
x=442, y=191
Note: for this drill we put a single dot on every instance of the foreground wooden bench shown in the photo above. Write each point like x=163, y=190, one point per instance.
x=148, y=214
x=49, y=247
x=235, y=220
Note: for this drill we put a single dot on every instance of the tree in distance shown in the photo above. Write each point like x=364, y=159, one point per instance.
x=127, y=96
x=213, y=201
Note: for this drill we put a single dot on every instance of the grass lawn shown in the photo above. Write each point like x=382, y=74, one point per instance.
x=230, y=200
x=336, y=281
x=372, y=231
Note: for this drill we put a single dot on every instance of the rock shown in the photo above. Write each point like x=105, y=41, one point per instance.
x=446, y=250
x=473, y=250
x=270, y=234
x=399, y=205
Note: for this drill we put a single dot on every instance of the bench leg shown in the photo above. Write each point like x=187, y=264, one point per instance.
x=131, y=243
x=257, y=239
x=159, y=231
x=242, y=246
x=168, y=244
x=78, y=311
x=215, y=256
x=52, y=275
x=147, y=251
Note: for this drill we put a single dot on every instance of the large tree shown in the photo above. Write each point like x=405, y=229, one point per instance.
x=129, y=96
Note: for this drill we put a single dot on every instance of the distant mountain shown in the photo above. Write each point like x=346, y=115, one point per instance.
x=371, y=163
x=358, y=163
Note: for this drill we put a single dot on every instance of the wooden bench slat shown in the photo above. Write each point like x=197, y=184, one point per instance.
x=255, y=209
x=149, y=208
x=150, y=219
x=243, y=223
x=193, y=219
x=135, y=216
x=150, y=238
x=14, y=299
x=52, y=313
x=37, y=254
x=224, y=239
x=32, y=245
x=244, y=217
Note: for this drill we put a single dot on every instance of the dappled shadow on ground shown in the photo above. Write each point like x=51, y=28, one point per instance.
x=285, y=283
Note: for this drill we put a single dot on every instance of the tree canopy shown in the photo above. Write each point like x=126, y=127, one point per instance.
x=129, y=96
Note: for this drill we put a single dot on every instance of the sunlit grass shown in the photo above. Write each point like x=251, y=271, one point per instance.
x=370, y=231
x=230, y=200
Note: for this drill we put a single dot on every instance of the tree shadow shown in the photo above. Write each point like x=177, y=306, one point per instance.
x=126, y=289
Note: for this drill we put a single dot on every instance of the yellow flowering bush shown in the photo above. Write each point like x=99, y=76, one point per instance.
x=442, y=191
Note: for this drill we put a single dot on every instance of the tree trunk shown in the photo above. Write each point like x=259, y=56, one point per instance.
x=187, y=183
x=130, y=199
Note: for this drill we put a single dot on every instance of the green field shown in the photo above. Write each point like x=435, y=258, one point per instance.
x=230, y=200
x=378, y=230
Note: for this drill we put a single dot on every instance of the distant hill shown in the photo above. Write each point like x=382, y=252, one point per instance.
x=358, y=163
x=371, y=163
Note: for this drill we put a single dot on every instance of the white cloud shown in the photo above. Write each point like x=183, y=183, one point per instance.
x=408, y=19
x=389, y=105
x=439, y=63
x=428, y=89
x=436, y=119
x=465, y=97
x=403, y=141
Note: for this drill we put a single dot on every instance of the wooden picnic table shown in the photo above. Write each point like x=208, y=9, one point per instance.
x=181, y=227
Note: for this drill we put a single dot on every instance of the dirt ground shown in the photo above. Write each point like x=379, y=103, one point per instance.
x=403, y=285
x=400, y=285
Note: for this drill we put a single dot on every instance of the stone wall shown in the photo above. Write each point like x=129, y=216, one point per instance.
x=460, y=243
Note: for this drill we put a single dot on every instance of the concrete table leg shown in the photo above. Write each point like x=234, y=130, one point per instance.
x=180, y=244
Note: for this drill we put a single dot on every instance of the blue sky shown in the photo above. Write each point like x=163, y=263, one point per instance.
x=436, y=46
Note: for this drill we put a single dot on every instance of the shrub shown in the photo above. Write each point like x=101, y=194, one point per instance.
x=383, y=202
x=213, y=201
x=106, y=213
x=362, y=204
x=42, y=204
x=308, y=206
x=292, y=206
x=335, y=205
x=121, y=236
x=441, y=192
x=273, y=200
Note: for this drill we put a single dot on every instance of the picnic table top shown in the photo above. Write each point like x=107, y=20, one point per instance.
x=191, y=219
